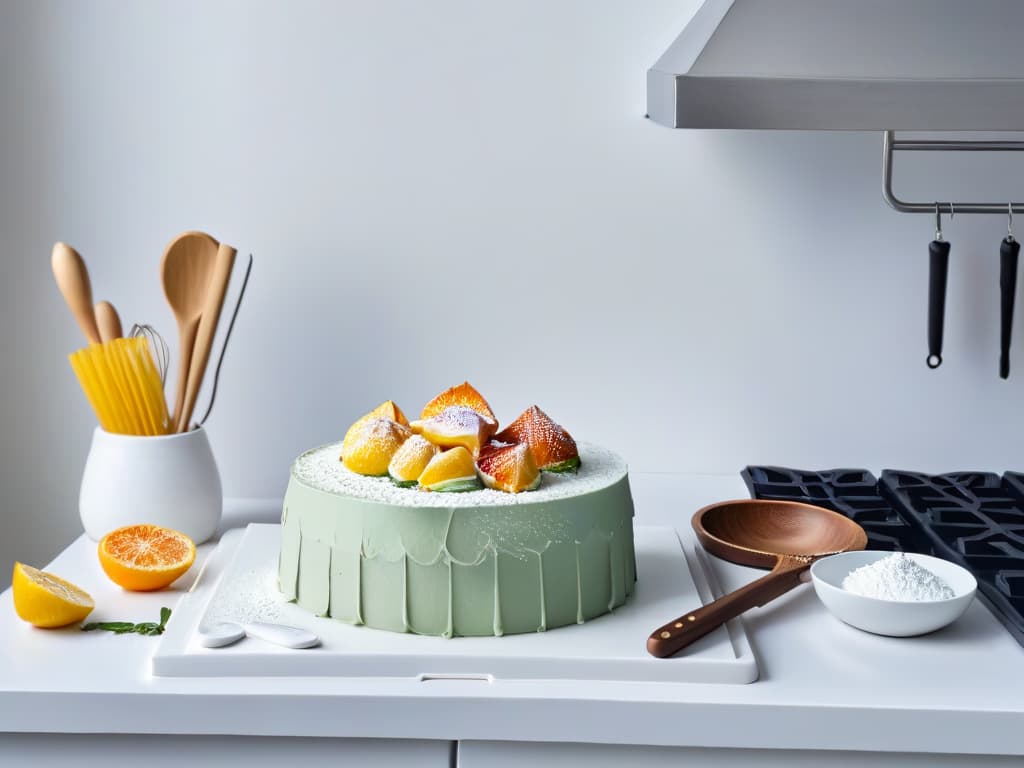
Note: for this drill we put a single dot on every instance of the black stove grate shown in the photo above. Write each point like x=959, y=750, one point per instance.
x=974, y=519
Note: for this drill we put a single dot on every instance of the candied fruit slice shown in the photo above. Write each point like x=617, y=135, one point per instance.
x=553, y=448
x=464, y=395
x=386, y=410
x=456, y=425
x=410, y=460
x=509, y=468
x=451, y=471
x=370, y=448
x=389, y=410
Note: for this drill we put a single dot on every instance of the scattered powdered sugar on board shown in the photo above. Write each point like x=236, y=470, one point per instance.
x=322, y=469
x=897, y=577
x=251, y=596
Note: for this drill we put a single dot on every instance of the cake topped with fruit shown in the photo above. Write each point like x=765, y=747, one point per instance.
x=455, y=446
x=451, y=524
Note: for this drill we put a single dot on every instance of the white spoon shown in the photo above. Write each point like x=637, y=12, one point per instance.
x=279, y=634
x=227, y=632
x=219, y=635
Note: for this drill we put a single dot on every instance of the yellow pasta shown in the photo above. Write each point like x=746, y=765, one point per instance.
x=139, y=394
x=148, y=386
x=153, y=386
x=122, y=384
x=107, y=355
x=91, y=390
x=121, y=349
x=103, y=393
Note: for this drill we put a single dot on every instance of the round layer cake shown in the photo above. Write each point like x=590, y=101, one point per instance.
x=361, y=550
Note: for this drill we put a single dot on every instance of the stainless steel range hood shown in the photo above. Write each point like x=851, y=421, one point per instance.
x=934, y=65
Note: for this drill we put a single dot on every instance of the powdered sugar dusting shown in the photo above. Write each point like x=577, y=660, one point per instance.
x=550, y=442
x=897, y=577
x=460, y=418
x=380, y=430
x=320, y=468
x=248, y=597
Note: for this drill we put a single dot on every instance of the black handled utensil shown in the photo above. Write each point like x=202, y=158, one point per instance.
x=1009, y=249
x=938, y=269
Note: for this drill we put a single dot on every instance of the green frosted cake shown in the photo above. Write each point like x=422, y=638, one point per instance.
x=361, y=550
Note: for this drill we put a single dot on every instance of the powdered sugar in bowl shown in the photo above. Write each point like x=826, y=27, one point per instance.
x=896, y=618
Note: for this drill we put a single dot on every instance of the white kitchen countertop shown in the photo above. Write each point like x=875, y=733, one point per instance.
x=823, y=685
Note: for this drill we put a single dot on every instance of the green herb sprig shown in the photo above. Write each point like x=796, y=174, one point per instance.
x=127, y=627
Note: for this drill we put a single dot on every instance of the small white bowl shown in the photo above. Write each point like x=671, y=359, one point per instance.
x=895, y=618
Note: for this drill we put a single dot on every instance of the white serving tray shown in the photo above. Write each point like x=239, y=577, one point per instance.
x=238, y=583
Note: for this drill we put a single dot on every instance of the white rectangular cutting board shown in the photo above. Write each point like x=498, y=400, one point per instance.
x=239, y=583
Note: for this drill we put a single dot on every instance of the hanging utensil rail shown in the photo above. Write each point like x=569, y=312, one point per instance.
x=891, y=144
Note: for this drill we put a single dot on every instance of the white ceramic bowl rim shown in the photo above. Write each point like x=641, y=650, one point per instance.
x=172, y=436
x=893, y=618
x=947, y=565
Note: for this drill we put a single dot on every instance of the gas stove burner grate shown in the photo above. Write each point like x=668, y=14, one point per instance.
x=974, y=519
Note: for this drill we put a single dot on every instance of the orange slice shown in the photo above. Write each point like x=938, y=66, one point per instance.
x=142, y=558
x=45, y=600
x=410, y=460
x=463, y=394
x=451, y=472
x=552, y=447
x=509, y=468
x=370, y=447
x=456, y=425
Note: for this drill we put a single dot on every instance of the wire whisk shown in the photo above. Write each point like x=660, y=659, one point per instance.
x=157, y=345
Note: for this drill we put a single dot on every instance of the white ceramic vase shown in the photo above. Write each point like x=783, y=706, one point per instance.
x=171, y=480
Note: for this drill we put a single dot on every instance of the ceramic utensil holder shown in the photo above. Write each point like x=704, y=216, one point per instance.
x=169, y=480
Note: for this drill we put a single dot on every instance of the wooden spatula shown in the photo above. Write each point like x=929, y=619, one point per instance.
x=218, y=286
x=185, y=273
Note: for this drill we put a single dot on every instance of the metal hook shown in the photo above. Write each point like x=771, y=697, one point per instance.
x=938, y=221
x=1009, y=222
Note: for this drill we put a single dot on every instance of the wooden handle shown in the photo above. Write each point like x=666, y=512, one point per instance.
x=73, y=281
x=108, y=321
x=187, y=339
x=690, y=627
x=218, y=287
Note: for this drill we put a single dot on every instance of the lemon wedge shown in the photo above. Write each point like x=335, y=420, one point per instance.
x=45, y=600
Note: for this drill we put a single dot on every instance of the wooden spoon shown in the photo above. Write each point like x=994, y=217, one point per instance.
x=108, y=321
x=223, y=264
x=185, y=273
x=73, y=281
x=786, y=536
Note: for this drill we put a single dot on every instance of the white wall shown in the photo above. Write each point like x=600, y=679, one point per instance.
x=449, y=190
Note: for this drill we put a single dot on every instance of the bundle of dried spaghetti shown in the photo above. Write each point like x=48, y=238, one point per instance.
x=121, y=380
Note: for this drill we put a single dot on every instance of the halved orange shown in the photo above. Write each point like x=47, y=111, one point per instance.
x=463, y=394
x=145, y=557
